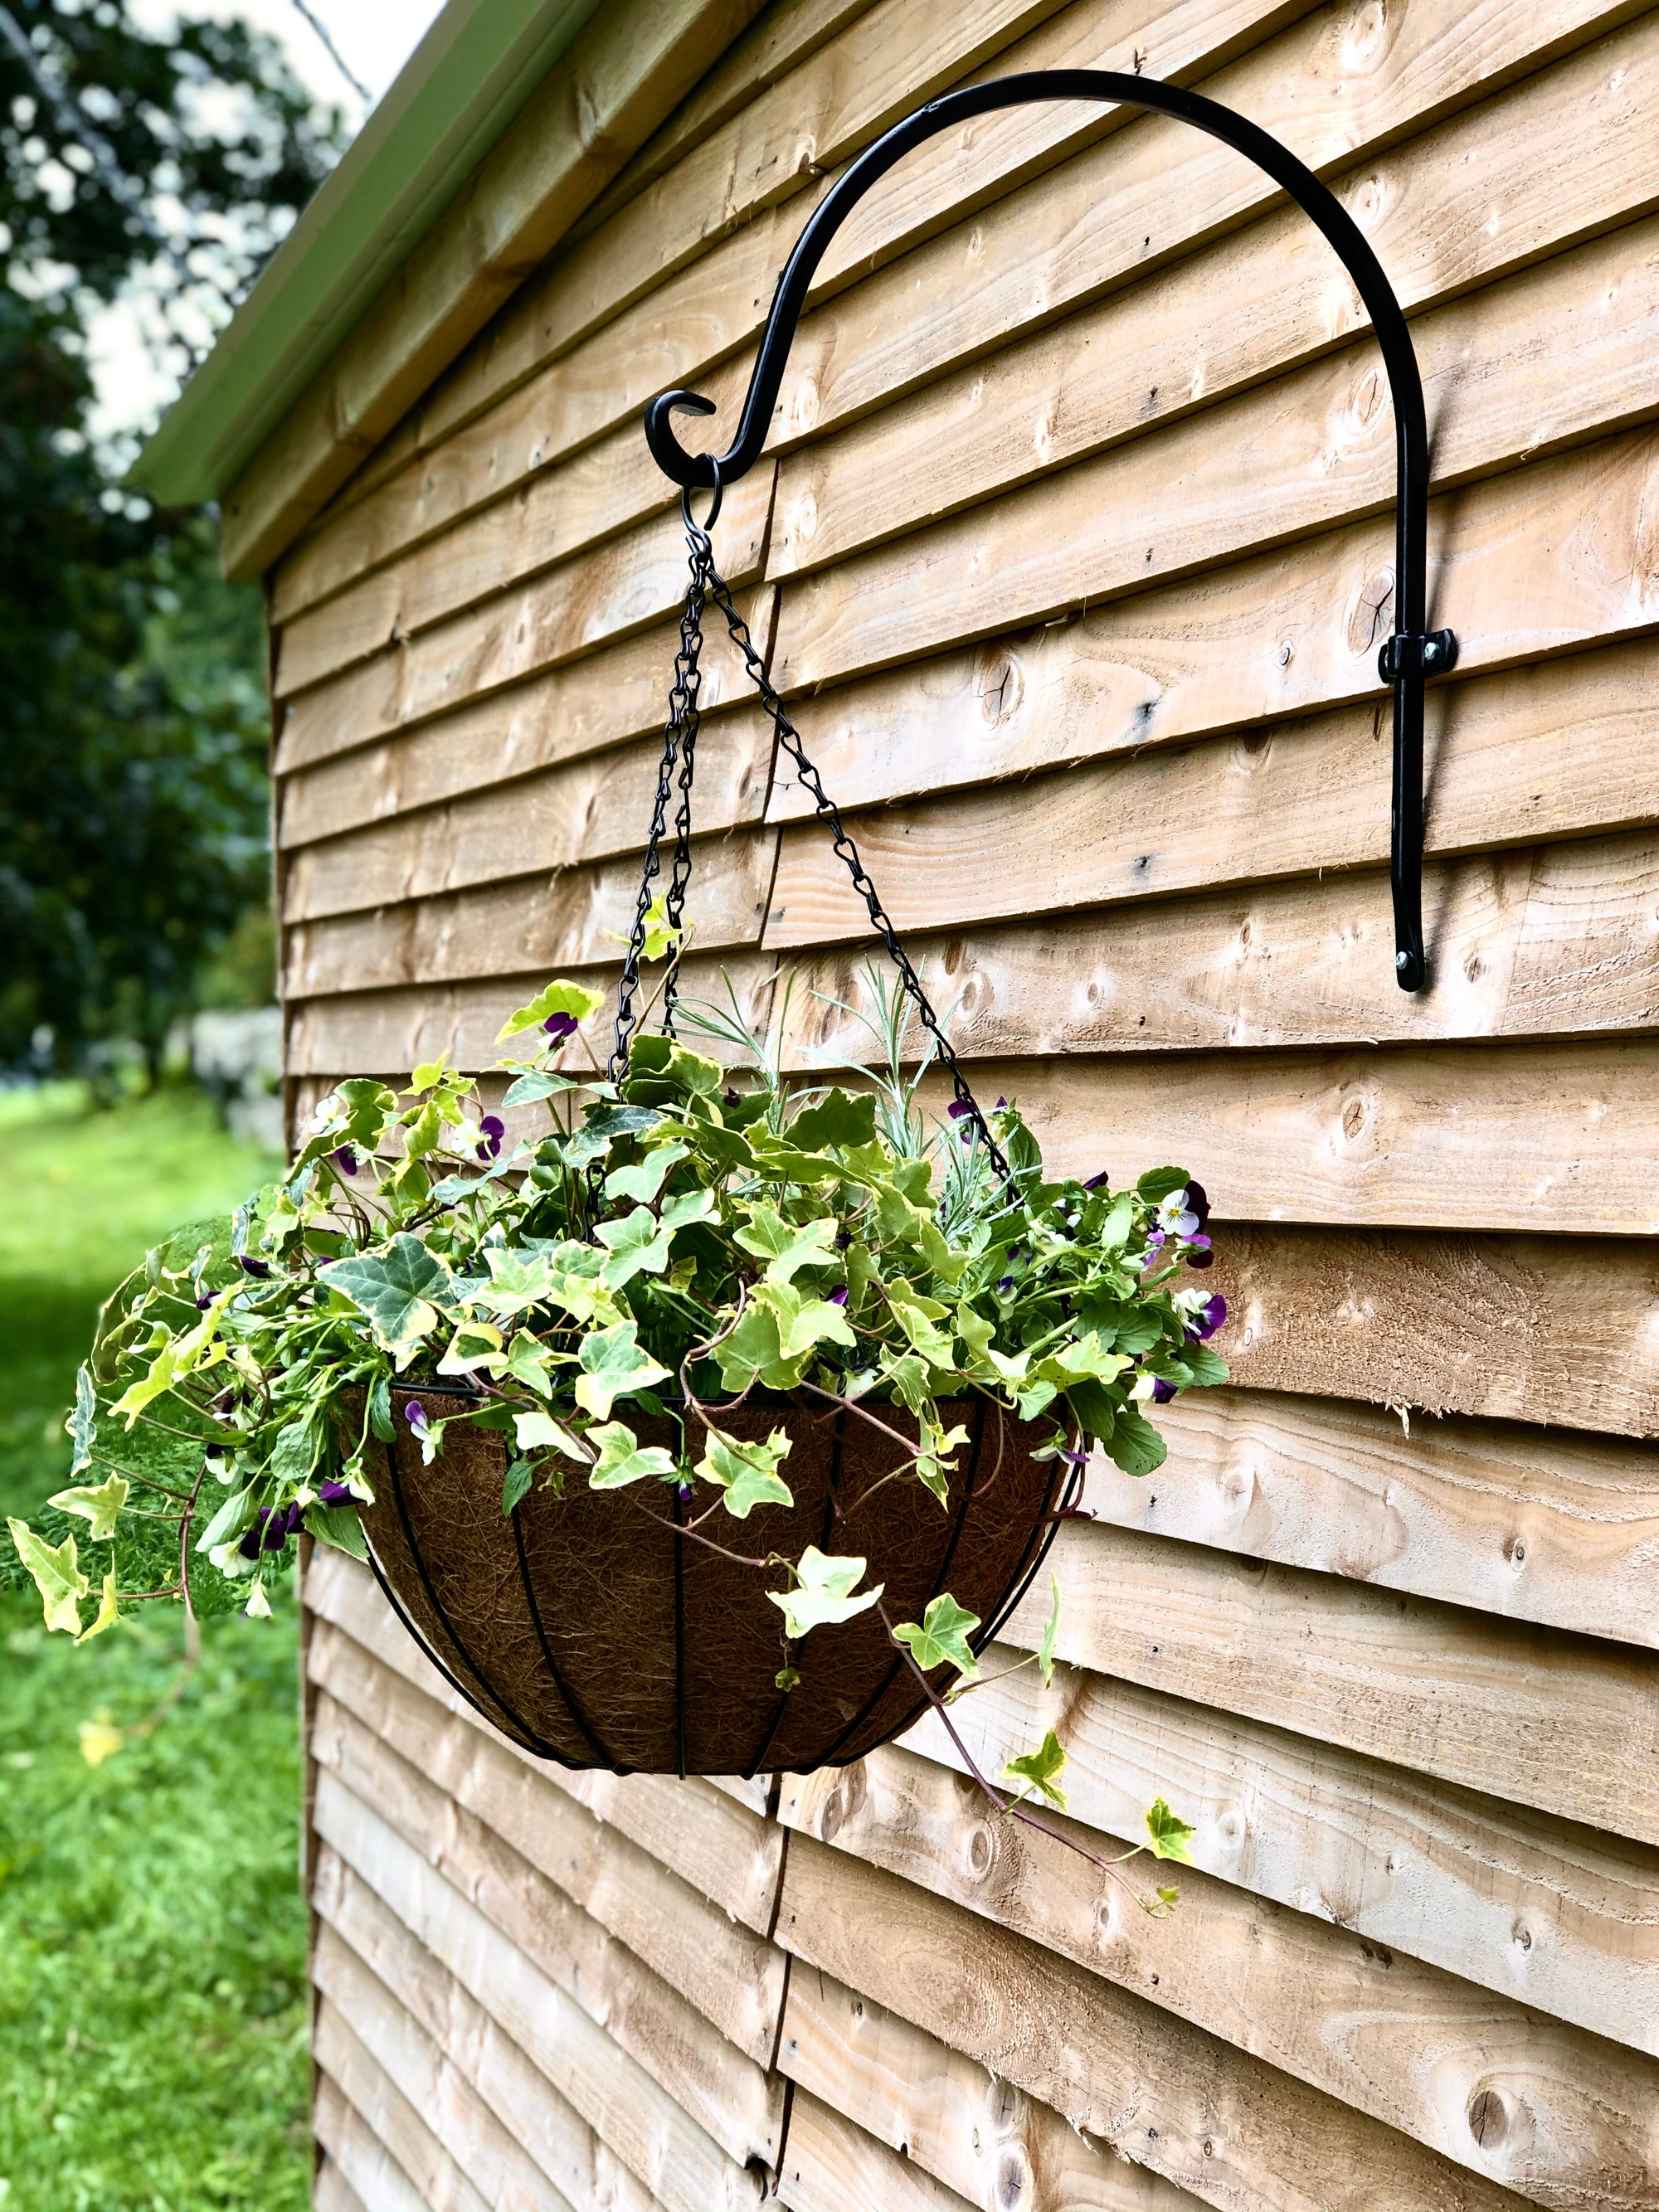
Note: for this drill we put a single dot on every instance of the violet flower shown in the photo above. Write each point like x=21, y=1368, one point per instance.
x=335, y=1493
x=1208, y=1318
x=560, y=1026
x=344, y=1158
x=1198, y=1202
x=1006, y=1285
x=415, y=1415
x=493, y=1129
x=1162, y=1391
x=1199, y=1254
x=838, y=1296
x=1095, y=1181
x=257, y=1268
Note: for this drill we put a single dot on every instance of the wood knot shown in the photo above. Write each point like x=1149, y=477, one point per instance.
x=1489, y=2121
x=981, y=1852
x=1012, y=2180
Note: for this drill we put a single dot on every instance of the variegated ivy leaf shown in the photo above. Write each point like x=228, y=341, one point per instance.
x=400, y=1288
x=527, y=1090
x=840, y=1118
x=614, y=1366
x=57, y=1574
x=752, y=1351
x=803, y=1322
x=936, y=1460
x=787, y=1247
x=1045, y=1657
x=660, y=934
x=823, y=1592
x=1041, y=1770
x=747, y=1471
x=919, y=1318
x=1171, y=1836
x=476, y=1344
x=176, y=1358
x=975, y=1333
x=623, y=1459
x=109, y=1612
x=638, y=1245
x=518, y=1281
x=539, y=1431
x=101, y=1506
x=941, y=1639
x=644, y=1178
x=559, y=998
x=909, y=1378
x=679, y=1212
x=82, y=1423
x=1086, y=1357
x=529, y=1361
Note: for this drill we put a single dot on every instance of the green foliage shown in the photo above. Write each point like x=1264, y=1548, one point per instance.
x=941, y=1640
x=1040, y=1771
x=1171, y=1837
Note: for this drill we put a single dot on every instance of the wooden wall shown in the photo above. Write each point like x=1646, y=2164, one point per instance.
x=1073, y=546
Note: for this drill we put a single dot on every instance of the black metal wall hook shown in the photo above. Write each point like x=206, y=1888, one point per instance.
x=1410, y=654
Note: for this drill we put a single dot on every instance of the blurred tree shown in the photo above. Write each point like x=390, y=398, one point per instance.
x=161, y=172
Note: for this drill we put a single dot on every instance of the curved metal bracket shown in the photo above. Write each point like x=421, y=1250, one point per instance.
x=1409, y=655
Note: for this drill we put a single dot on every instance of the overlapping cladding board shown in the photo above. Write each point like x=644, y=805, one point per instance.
x=1073, y=542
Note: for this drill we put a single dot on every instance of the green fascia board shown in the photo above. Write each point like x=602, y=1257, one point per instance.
x=455, y=97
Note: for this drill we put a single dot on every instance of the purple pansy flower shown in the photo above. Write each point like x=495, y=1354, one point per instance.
x=1006, y=1283
x=838, y=1296
x=560, y=1026
x=1201, y=1256
x=493, y=1129
x=1162, y=1391
x=335, y=1493
x=685, y=1493
x=1095, y=1181
x=415, y=1415
x=260, y=1268
x=344, y=1159
x=1208, y=1318
x=1198, y=1202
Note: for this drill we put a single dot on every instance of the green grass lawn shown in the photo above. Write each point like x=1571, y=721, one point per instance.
x=152, y=1938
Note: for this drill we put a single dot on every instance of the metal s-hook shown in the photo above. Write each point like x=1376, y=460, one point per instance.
x=1411, y=654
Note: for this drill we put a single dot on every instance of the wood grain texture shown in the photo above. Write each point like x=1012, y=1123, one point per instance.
x=1567, y=1723
x=1551, y=940
x=625, y=72
x=552, y=2132
x=1524, y=1328
x=509, y=562
x=732, y=1976
x=1412, y=2046
x=390, y=1030
x=830, y=2165
x=444, y=2137
x=1547, y=559
x=495, y=713
x=330, y=2190
x=973, y=2129
x=1532, y=1524
x=1523, y=172
x=1518, y=757
x=640, y=2119
x=564, y=816
x=366, y=2167
x=1545, y=1138
x=1195, y=2109
x=570, y=917
x=1560, y=1918
x=726, y=1852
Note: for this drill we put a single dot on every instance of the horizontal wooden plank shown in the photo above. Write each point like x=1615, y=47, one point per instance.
x=1547, y=1138
x=1544, y=560
x=1562, y=1919
x=388, y=1032
x=1549, y=155
x=1202, y=2114
x=1533, y=1714
x=830, y=2165
x=446, y=2139
x=582, y=812
x=570, y=917
x=1295, y=458
x=1534, y=1524
x=732, y=1976
x=503, y=712
x=1411, y=2045
x=573, y=604
x=625, y=71
x=640, y=2119
x=1524, y=1328
x=1553, y=941
x=556, y=2136
x=724, y=1851
x=974, y=2130
x=1516, y=757
x=365, y=2166
x=330, y=2190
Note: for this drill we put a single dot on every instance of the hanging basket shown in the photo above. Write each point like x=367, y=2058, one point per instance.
x=595, y=1635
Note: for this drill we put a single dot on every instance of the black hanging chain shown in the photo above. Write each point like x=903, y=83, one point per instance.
x=829, y=813
x=679, y=742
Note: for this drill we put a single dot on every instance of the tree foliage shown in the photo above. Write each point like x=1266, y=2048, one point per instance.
x=132, y=726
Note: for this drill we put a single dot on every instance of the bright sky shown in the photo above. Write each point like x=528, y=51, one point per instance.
x=375, y=38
